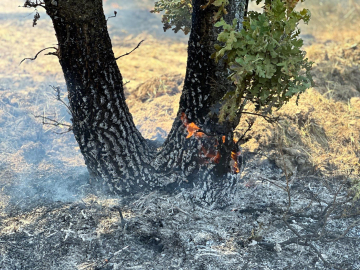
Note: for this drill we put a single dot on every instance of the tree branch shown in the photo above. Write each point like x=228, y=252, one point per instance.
x=115, y=13
x=34, y=4
x=32, y=59
x=250, y=125
x=131, y=51
x=267, y=118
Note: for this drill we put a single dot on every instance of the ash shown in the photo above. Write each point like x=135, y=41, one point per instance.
x=254, y=227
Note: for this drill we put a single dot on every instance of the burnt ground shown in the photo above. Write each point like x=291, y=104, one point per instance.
x=254, y=228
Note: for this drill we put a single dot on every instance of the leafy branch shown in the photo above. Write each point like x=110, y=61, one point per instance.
x=265, y=59
x=177, y=14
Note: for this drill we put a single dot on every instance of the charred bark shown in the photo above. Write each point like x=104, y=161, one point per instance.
x=208, y=156
x=112, y=147
x=197, y=149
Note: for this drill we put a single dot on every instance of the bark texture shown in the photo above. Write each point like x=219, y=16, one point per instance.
x=205, y=83
x=112, y=147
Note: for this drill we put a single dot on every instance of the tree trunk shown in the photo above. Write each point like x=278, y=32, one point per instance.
x=112, y=147
x=207, y=157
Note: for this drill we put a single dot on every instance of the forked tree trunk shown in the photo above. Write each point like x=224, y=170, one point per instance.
x=112, y=147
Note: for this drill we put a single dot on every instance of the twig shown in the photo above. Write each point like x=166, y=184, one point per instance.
x=354, y=224
x=250, y=125
x=35, y=4
x=266, y=179
x=131, y=51
x=287, y=181
x=306, y=244
x=267, y=118
x=36, y=18
x=115, y=13
x=54, y=123
x=32, y=59
x=106, y=261
x=57, y=95
x=182, y=211
x=122, y=220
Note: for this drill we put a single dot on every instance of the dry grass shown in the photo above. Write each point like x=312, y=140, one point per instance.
x=333, y=19
x=153, y=58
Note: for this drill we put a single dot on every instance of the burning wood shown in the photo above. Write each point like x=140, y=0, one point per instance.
x=192, y=128
x=210, y=154
x=234, y=157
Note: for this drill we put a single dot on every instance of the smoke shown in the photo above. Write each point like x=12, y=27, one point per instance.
x=31, y=189
x=37, y=165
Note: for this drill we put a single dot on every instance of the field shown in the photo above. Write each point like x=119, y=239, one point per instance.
x=47, y=204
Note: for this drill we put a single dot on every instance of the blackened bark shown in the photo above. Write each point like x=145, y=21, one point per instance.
x=205, y=83
x=112, y=147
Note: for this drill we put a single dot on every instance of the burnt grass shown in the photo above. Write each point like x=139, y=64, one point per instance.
x=251, y=227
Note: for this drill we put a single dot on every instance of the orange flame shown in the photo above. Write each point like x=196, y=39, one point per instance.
x=211, y=154
x=234, y=157
x=192, y=128
x=214, y=157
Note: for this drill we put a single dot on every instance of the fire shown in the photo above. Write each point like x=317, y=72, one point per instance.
x=210, y=154
x=192, y=128
x=214, y=156
x=234, y=157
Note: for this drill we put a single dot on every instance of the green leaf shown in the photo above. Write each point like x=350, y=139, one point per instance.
x=265, y=60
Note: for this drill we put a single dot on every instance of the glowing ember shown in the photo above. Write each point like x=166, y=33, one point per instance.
x=210, y=154
x=192, y=128
x=234, y=157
